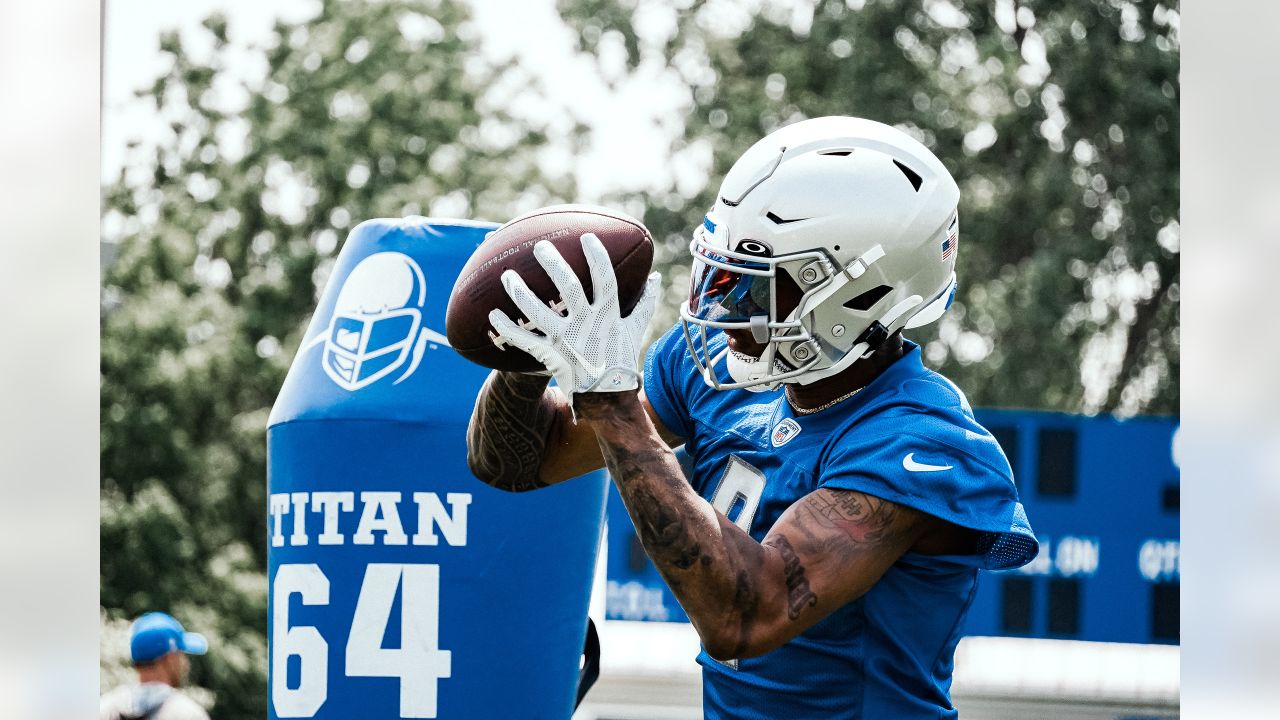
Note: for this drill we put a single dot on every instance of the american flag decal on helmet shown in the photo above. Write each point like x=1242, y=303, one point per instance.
x=952, y=239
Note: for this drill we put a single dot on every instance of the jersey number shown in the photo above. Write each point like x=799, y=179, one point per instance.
x=418, y=662
x=740, y=487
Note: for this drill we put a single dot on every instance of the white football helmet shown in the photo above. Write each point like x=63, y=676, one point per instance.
x=851, y=220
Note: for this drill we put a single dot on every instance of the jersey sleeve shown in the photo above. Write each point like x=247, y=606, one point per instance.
x=957, y=474
x=667, y=372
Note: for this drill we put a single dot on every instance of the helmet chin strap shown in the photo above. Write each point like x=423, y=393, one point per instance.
x=744, y=368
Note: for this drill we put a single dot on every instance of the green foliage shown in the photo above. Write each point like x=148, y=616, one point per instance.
x=225, y=232
x=1058, y=119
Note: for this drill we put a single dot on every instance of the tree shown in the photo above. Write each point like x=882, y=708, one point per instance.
x=1059, y=120
x=223, y=236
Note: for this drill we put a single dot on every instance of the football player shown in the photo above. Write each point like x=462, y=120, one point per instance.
x=842, y=498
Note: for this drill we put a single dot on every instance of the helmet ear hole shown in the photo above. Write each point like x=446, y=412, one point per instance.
x=788, y=294
x=868, y=299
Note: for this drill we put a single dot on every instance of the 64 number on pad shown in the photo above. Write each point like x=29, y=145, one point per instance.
x=418, y=662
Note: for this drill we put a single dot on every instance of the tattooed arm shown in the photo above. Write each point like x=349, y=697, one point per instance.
x=746, y=598
x=515, y=418
x=522, y=435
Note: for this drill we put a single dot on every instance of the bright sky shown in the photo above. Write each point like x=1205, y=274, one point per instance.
x=627, y=151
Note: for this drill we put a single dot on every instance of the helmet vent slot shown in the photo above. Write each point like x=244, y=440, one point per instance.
x=780, y=221
x=868, y=299
x=836, y=153
x=912, y=175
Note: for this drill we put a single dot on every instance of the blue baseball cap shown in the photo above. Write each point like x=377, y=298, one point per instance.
x=157, y=634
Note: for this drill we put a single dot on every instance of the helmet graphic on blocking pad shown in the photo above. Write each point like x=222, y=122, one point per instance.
x=376, y=326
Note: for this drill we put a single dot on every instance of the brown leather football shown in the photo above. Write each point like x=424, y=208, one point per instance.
x=479, y=286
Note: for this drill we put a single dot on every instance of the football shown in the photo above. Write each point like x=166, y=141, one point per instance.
x=479, y=290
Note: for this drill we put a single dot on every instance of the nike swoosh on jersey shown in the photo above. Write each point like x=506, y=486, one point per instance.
x=910, y=464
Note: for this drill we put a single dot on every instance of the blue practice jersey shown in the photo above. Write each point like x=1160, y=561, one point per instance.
x=887, y=654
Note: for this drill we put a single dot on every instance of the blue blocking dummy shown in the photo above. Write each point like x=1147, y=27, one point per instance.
x=401, y=586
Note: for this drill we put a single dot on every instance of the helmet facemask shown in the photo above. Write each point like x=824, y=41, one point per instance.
x=741, y=290
x=795, y=306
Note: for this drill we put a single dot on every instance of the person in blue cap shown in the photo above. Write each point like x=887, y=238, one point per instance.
x=158, y=645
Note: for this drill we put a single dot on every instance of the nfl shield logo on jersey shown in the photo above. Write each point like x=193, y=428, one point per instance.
x=784, y=431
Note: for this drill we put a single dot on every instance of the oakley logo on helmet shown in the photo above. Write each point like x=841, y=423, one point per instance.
x=752, y=247
x=376, y=328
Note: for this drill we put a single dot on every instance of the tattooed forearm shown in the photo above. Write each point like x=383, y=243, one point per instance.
x=513, y=422
x=662, y=527
x=746, y=601
x=799, y=596
x=665, y=533
x=861, y=518
x=712, y=566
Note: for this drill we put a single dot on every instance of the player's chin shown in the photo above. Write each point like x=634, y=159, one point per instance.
x=742, y=342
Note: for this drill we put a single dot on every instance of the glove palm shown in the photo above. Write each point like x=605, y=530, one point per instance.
x=590, y=348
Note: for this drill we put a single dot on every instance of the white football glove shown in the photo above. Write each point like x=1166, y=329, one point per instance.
x=590, y=348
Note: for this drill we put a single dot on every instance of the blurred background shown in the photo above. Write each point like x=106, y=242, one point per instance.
x=240, y=143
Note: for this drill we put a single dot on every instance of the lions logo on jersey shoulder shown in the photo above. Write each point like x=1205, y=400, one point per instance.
x=376, y=327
